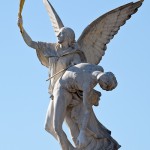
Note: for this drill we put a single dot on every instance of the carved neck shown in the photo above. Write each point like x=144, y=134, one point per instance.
x=98, y=76
x=64, y=46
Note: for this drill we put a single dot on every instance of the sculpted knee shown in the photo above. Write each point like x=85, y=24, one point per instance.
x=57, y=130
x=48, y=127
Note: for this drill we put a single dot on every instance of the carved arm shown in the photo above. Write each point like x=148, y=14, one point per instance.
x=87, y=106
x=25, y=36
x=82, y=140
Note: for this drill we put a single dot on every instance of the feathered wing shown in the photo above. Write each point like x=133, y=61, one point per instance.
x=56, y=21
x=94, y=38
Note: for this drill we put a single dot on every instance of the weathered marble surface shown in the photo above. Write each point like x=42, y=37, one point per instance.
x=73, y=100
x=73, y=73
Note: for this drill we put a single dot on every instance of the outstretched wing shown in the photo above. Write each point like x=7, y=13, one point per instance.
x=94, y=38
x=56, y=21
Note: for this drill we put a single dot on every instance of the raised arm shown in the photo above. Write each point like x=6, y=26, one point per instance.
x=25, y=36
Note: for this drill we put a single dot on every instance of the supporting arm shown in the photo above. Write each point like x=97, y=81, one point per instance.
x=87, y=110
x=82, y=139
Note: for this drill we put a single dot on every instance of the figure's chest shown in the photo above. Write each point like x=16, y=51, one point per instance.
x=62, y=60
x=65, y=61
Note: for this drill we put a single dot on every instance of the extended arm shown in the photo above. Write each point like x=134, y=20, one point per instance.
x=87, y=106
x=82, y=140
x=44, y=50
x=25, y=36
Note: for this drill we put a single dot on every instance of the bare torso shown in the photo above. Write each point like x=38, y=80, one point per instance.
x=79, y=77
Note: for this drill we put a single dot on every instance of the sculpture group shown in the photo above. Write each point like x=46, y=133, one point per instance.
x=73, y=74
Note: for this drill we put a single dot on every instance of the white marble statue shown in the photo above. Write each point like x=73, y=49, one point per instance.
x=77, y=110
x=73, y=73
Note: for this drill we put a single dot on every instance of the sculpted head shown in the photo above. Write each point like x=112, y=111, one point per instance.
x=66, y=35
x=107, y=81
x=95, y=97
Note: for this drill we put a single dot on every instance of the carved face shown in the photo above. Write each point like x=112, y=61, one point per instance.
x=108, y=81
x=95, y=97
x=66, y=35
x=95, y=100
x=61, y=36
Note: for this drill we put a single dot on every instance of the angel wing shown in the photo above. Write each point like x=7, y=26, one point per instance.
x=94, y=38
x=55, y=19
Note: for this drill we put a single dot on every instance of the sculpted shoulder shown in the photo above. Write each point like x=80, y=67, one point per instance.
x=86, y=67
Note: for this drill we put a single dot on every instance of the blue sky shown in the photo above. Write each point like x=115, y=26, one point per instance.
x=24, y=96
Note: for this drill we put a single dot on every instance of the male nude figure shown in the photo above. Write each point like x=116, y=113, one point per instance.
x=82, y=77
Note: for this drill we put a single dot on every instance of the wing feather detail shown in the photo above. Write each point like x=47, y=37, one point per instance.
x=94, y=38
x=55, y=19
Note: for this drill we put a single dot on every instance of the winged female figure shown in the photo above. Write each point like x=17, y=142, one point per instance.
x=91, y=45
x=67, y=52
